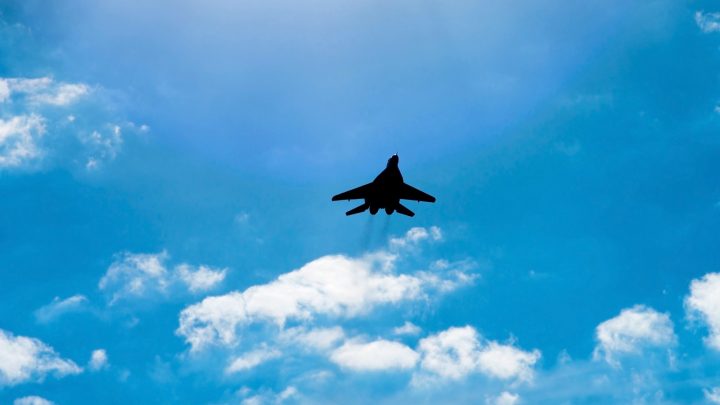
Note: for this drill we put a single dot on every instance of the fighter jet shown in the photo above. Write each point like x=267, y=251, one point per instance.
x=385, y=191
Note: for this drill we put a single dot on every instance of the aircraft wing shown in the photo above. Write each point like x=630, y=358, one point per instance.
x=408, y=192
x=357, y=193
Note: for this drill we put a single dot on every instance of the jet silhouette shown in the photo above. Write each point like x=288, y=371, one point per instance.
x=385, y=191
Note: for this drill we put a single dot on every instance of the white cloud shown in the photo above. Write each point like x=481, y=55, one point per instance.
x=136, y=275
x=507, y=361
x=4, y=90
x=712, y=395
x=331, y=285
x=703, y=304
x=374, y=356
x=146, y=275
x=252, y=359
x=336, y=286
x=58, y=308
x=24, y=359
x=19, y=137
x=242, y=218
x=408, y=328
x=318, y=339
x=98, y=360
x=416, y=235
x=459, y=351
x=505, y=398
x=452, y=353
x=635, y=329
x=269, y=397
x=101, y=146
x=45, y=90
x=64, y=94
x=448, y=276
x=32, y=400
x=708, y=22
x=203, y=278
x=26, y=115
x=32, y=86
x=287, y=393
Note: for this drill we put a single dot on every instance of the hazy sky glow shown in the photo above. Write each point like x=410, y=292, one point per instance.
x=167, y=235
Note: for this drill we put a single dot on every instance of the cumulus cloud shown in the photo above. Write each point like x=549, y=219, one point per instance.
x=58, y=308
x=252, y=359
x=203, y=278
x=408, y=328
x=459, y=351
x=32, y=400
x=374, y=356
x=703, y=304
x=634, y=330
x=24, y=359
x=19, y=137
x=334, y=286
x=98, y=360
x=146, y=275
x=708, y=22
x=331, y=285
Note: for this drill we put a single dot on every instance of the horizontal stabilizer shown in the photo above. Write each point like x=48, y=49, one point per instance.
x=403, y=210
x=357, y=210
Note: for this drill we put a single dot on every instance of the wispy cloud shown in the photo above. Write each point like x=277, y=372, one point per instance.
x=252, y=359
x=19, y=140
x=408, y=328
x=505, y=398
x=708, y=22
x=316, y=339
x=24, y=359
x=147, y=276
x=43, y=90
x=59, y=307
x=32, y=400
x=45, y=122
x=712, y=395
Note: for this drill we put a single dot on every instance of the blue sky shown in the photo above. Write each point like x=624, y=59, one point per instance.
x=167, y=235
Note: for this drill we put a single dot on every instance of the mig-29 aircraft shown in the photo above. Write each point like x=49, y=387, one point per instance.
x=385, y=191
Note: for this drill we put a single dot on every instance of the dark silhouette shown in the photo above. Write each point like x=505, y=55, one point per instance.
x=385, y=191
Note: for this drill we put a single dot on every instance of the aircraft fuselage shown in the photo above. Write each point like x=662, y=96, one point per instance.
x=385, y=192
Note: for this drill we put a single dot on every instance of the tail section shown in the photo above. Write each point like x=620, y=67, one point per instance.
x=358, y=209
x=403, y=210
